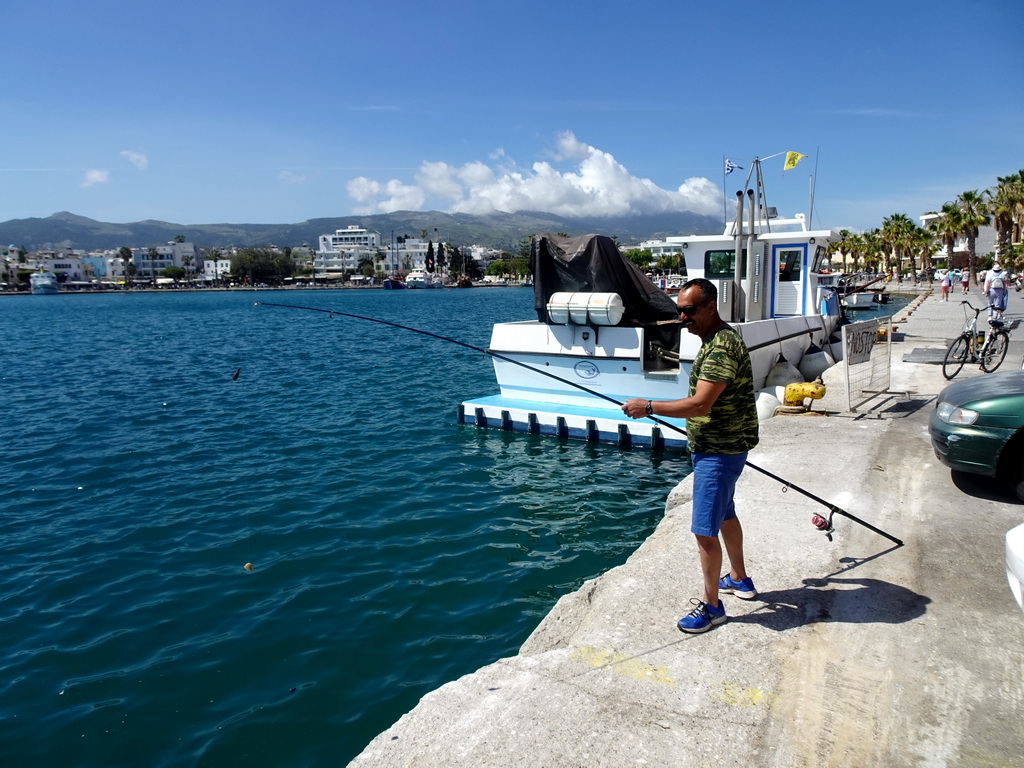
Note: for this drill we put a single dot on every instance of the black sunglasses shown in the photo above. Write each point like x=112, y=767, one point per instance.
x=691, y=309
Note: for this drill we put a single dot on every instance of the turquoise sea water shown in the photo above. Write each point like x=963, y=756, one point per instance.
x=393, y=549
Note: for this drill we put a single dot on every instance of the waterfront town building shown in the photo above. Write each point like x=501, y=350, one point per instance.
x=345, y=249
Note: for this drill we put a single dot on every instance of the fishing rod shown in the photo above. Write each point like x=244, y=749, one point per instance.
x=821, y=523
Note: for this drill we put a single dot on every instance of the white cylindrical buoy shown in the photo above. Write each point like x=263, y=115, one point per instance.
x=605, y=309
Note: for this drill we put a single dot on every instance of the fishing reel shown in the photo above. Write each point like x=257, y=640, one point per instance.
x=823, y=524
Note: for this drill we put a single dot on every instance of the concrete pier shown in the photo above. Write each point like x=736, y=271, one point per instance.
x=855, y=652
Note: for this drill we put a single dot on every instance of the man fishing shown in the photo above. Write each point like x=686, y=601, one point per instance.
x=721, y=425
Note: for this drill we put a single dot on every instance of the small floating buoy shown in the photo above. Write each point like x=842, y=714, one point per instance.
x=248, y=566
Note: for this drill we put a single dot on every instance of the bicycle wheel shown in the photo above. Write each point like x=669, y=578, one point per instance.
x=956, y=356
x=995, y=351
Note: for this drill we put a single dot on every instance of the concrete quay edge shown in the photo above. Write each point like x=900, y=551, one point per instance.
x=855, y=652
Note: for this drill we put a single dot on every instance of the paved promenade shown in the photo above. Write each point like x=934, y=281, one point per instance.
x=856, y=653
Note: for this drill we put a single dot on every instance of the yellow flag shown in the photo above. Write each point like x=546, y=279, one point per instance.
x=792, y=158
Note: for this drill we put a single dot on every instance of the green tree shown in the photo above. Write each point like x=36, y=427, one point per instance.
x=175, y=273
x=973, y=215
x=946, y=228
x=838, y=247
x=526, y=246
x=509, y=267
x=262, y=265
x=214, y=255
x=180, y=239
x=1006, y=204
x=126, y=260
x=457, y=263
x=641, y=257
x=922, y=243
x=152, y=254
x=442, y=261
x=872, y=251
x=896, y=235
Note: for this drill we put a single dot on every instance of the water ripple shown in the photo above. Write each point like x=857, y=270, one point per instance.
x=392, y=549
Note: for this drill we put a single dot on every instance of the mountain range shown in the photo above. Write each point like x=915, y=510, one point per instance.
x=499, y=230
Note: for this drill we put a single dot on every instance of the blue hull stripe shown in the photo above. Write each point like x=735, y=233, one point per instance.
x=495, y=412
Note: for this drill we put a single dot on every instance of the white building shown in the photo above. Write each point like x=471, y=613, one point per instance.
x=343, y=250
x=150, y=262
x=59, y=263
x=214, y=271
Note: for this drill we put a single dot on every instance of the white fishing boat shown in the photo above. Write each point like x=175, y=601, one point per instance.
x=43, y=282
x=417, y=278
x=605, y=333
x=859, y=300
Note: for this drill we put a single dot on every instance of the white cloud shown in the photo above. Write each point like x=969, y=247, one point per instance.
x=375, y=197
x=138, y=159
x=289, y=177
x=94, y=177
x=596, y=185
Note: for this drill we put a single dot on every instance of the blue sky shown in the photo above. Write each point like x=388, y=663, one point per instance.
x=276, y=112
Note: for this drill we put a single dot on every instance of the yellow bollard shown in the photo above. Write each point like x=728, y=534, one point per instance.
x=798, y=392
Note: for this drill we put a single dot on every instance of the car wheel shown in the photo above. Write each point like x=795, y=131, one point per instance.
x=1011, y=465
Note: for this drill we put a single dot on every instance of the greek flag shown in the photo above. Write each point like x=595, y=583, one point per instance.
x=730, y=166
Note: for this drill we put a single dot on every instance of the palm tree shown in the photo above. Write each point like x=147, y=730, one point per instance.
x=973, y=214
x=126, y=259
x=838, y=247
x=1006, y=204
x=214, y=254
x=922, y=242
x=896, y=238
x=187, y=261
x=152, y=254
x=872, y=249
x=947, y=228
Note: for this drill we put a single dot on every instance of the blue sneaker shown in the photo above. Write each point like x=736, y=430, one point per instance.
x=744, y=588
x=702, y=618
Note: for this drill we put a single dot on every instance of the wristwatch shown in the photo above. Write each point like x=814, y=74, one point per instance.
x=649, y=409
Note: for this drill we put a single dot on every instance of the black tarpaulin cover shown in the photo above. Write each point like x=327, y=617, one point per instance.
x=593, y=263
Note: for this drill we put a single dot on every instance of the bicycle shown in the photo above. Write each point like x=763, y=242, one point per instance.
x=988, y=349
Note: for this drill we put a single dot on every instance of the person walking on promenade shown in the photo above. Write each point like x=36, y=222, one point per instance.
x=965, y=281
x=721, y=425
x=997, y=290
x=946, y=283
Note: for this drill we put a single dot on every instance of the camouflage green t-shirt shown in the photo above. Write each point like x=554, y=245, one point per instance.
x=731, y=426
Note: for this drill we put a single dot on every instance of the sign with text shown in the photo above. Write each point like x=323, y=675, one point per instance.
x=859, y=340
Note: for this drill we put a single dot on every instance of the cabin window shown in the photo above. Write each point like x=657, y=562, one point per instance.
x=821, y=261
x=720, y=264
x=789, y=265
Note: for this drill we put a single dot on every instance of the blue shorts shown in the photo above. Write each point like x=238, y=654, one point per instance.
x=714, y=482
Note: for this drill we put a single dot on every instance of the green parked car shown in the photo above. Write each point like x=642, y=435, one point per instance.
x=978, y=427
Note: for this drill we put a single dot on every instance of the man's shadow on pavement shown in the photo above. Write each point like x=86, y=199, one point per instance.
x=832, y=599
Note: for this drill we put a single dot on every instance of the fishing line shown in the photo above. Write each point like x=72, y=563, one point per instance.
x=821, y=523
